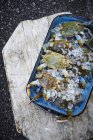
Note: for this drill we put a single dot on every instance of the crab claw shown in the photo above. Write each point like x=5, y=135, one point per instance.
x=36, y=82
x=42, y=66
x=33, y=83
x=58, y=81
x=82, y=82
x=45, y=95
x=28, y=91
x=61, y=120
x=39, y=75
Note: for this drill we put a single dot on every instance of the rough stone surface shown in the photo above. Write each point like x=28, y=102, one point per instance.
x=20, y=54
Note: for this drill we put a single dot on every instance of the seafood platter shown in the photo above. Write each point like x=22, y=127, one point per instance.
x=62, y=79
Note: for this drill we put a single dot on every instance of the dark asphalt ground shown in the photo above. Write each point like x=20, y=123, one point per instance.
x=11, y=13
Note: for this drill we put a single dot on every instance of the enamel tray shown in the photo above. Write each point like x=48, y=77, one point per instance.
x=49, y=106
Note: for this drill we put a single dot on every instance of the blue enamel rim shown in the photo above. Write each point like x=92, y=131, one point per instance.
x=87, y=92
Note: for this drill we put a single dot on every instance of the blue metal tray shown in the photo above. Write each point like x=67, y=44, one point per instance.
x=49, y=105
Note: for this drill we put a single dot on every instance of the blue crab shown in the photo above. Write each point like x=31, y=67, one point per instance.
x=71, y=28
x=56, y=61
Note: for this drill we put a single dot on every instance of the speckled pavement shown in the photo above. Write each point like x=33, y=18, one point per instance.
x=11, y=13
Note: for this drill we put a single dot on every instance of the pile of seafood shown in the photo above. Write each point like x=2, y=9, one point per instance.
x=66, y=65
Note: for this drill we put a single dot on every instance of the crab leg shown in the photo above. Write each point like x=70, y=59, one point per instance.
x=28, y=91
x=42, y=66
x=37, y=97
x=36, y=82
x=63, y=119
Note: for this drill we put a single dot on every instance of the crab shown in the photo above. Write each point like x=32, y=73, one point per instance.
x=56, y=61
x=71, y=28
x=47, y=81
x=60, y=46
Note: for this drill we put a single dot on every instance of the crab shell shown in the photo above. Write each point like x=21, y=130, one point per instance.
x=47, y=81
x=56, y=61
x=71, y=28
